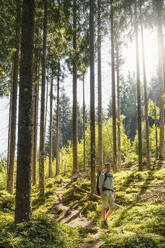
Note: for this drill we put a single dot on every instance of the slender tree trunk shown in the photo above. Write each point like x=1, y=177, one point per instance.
x=42, y=114
x=161, y=76
x=57, y=125
x=100, y=145
x=46, y=106
x=10, y=178
x=23, y=185
x=145, y=100
x=113, y=90
x=138, y=92
x=118, y=110
x=84, y=151
x=75, y=126
x=50, y=128
x=35, y=127
x=156, y=134
x=92, y=98
x=9, y=132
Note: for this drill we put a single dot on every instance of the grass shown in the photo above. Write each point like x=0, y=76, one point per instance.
x=141, y=224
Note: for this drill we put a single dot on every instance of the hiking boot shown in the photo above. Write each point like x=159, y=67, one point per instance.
x=104, y=224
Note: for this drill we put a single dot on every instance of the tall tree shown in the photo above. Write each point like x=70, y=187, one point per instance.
x=161, y=75
x=138, y=91
x=50, y=126
x=75, y=127
x=145, y=95
x=100, y=146
x=57, y=123
x=42, y=114
x=118, y=108
x=35, y=125
x=23, y=187
x=10, y=177
x=84, y=151
x=92, y=97
x=113, y=89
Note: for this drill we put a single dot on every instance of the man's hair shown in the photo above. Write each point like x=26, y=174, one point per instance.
x=107, y=163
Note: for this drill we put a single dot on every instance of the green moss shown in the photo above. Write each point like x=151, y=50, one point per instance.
x=132, y=241
x=42, y=231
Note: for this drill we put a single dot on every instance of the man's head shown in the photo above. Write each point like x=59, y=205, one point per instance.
x=107, y=167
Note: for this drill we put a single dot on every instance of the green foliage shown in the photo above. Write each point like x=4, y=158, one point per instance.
x=6, y=201
x=130, y=241
x=41, y=231
x=152, y=110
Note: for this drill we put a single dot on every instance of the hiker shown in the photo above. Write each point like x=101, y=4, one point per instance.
x=107, y=194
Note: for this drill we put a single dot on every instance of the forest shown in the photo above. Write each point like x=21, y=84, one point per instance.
x=60, y=60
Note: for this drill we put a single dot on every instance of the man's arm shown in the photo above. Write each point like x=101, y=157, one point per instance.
x=101, y=194
x=101, y=180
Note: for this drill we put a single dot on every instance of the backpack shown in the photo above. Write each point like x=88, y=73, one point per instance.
x=97, y=184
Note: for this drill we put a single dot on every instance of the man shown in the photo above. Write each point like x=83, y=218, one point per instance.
x=107, y=194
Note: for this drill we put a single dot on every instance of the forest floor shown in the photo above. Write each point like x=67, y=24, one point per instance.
x=75, y=219
x=76, y=208
x=68, y=216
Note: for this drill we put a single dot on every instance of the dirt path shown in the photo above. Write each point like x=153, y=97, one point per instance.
x=73, y=218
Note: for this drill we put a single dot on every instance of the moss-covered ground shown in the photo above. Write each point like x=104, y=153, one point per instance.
x=140, y=223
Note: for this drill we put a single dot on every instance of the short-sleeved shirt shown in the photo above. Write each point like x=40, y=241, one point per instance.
x=108, y=183
x=109, y=200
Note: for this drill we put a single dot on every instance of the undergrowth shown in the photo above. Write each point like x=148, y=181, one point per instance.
x=140, y=224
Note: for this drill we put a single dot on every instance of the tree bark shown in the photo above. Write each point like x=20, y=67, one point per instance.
x=138, y=92
x=92, y=98
x=10, y=178
x=160, y=76
x=50, y=128
x=35, y=127
x=118, y=110
x=156, y=134
x=100, y=145
x=75, y=124
x=9, y=132
x=145, y=100
x=113, y=90
x=84, y=151
x=57, y=125
x=46, y=105
x=42, y=114
x=23, y=185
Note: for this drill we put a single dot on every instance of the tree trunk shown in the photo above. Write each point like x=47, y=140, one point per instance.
x=57, y=125
x=46, y=106
x=92, y=98
x=100, y=146
x=113, y=90
x=75, y=126
x=10, y=178
x=23, y=185
x=84, y=123
x=118, y=110
x=50, y=128
x=35, y=127
x=156, y=134
x=145, y=100
x=42, y=114
x=161, y=77
x=9, y=132
x=138, y=92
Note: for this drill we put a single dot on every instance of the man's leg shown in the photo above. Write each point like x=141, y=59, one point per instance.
x=109, y=212
x=103, y=213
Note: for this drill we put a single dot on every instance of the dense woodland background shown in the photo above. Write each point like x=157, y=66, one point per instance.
x=42, y=41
